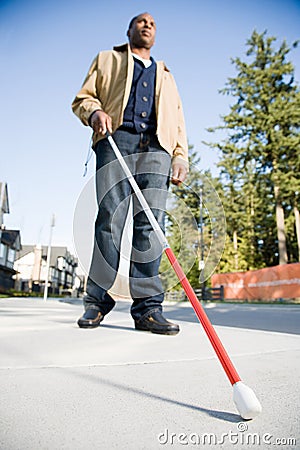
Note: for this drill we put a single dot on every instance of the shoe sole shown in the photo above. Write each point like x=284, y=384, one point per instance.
x=168, y=332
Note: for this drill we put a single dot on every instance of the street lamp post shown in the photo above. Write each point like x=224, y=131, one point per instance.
x=52, y=225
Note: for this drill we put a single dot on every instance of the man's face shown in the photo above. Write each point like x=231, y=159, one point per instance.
x=142, y=32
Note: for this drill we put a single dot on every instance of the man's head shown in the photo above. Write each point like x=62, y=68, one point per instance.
x=141, y=31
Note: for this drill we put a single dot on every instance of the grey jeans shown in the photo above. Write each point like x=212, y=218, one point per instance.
x=150, y=165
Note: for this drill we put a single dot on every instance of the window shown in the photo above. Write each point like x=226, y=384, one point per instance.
x=53, y=274
x=3, y=253
x=10, y=258
x=11, y=255
x=61, y=263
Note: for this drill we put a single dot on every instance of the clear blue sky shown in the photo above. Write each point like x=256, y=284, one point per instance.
x=46, y=48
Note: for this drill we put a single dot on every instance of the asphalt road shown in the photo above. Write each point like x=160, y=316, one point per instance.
x=279, y=318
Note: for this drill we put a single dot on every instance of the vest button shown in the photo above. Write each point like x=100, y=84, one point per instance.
x=144, y=114
x=145, y=84
x=143, y=125
x=145, y=99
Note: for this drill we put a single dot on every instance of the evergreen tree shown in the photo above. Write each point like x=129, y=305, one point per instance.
x=260, y=158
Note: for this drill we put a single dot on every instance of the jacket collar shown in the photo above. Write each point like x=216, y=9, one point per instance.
x=126, y=48
x=121, y=48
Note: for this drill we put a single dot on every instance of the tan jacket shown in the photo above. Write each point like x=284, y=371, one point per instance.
x=107, y=87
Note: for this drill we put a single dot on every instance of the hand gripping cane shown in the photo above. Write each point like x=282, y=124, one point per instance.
x=244, y=398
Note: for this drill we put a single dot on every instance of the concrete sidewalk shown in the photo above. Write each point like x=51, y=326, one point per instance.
x=63, y=387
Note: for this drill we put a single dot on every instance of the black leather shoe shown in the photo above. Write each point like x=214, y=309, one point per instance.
x=90, y=319
x=156, y=323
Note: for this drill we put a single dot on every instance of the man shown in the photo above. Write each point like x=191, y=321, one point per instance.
x=128, y=94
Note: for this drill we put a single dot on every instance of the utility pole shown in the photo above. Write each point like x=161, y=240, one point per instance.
x=201, y=259
x=52, y=225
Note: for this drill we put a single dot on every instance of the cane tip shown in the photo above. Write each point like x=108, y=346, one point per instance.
x=246, y=401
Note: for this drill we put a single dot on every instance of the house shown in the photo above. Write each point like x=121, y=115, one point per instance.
x=10, y=243
x=31, y=265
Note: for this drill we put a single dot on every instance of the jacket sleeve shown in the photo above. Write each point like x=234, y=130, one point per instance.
x=180, y=153
x=87, y=100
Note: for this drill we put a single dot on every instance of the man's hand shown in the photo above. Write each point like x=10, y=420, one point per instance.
x=101, y=122
x=179, y=173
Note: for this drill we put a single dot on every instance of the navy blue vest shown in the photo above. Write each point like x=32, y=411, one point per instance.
x=139, y=114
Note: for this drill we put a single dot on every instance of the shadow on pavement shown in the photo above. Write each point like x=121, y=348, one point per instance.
x=221, y=415
x=117, y=327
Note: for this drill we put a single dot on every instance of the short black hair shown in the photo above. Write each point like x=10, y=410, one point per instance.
x=131, y=22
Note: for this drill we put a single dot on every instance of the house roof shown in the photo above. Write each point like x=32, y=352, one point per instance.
x=12, y=238
x=56, y=252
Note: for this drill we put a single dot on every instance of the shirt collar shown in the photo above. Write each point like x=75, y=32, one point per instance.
x=147, y=62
